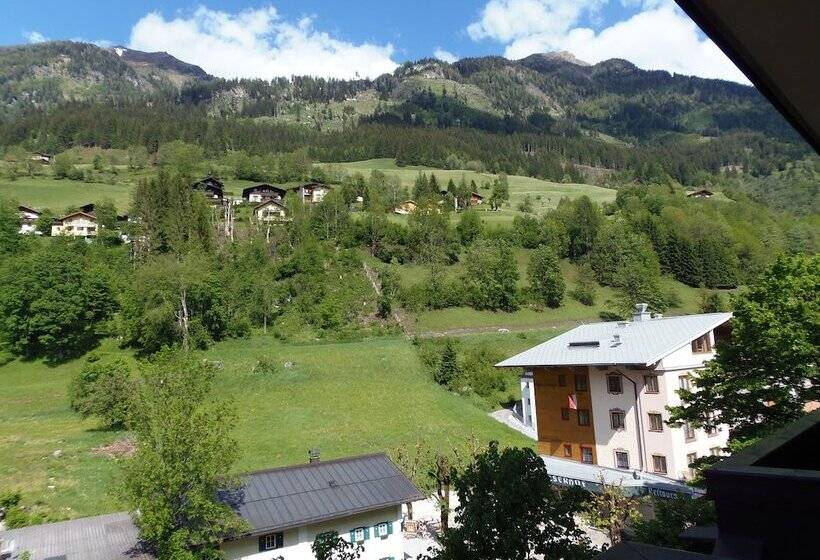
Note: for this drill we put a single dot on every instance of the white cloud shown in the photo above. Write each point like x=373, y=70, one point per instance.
x=258, y=43
x=508, y=20
x=34, y=37
x=446, y=56
x=661, y=37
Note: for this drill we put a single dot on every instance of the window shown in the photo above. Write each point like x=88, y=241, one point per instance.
x=567, y=450
x=614, y=384
x=586, y=454
x=617, y=419
x=688, y=431
x=691, y=458
x=271, y=541
x=702, y=344
x=562, y=380
x=583, y=417
x=714, y=451
x=711, y=430
x=684, y=382
x=383, y=529
x=655, y=422
x=564, y=414
x=659, y=464
x=581, y=382
x=651, y=383
x=359, y=534
x=622, y=459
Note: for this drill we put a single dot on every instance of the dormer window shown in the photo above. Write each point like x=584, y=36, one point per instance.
x=702, y=344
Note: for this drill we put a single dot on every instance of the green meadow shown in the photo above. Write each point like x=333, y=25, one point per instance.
x=342, y=398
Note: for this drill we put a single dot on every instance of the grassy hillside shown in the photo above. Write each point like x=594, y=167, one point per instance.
x=570, y=313
x=46, y=192
x=341, y=398
x=544, y=194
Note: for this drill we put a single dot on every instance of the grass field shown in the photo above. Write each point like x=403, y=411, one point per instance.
x=57, y=195
x=545, y=194
x=343, y=398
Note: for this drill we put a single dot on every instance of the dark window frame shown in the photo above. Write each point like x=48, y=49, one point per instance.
x=567, y=450
x=652, y=415
x=651, y=388
x=610, y=377
x=624, y=452
x=564, y=414
x=584, y=386
x=562, y=380
x=586, y=414
x=659, y=459
x=591, y=455
x=612, y=413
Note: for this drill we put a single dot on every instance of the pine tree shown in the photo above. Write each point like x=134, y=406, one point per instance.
x=448, y=369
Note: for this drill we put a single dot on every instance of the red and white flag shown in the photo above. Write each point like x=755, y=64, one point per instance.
x=572, y=399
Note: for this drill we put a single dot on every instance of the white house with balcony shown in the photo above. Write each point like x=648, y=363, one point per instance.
x=599, y=393
x=78, y=224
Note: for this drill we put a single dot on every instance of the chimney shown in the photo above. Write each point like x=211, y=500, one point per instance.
x=313, y=455
x=641, y=312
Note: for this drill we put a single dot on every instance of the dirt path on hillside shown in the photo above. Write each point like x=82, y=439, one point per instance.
x=557, y=325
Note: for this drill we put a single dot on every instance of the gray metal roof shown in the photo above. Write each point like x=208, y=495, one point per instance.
x=287, y=497
x=618, y=342
x=104, y=537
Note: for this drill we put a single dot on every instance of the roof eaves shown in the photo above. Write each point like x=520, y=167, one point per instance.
x=724, y=317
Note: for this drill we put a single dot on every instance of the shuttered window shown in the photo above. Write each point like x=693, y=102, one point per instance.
x=271, y=541
x=359, y=534
x=383, y=529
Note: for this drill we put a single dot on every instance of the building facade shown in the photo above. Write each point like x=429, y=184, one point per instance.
x=599, y=393
x=378, y=532
x=78, y=224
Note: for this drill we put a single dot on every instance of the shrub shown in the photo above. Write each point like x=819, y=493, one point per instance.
x=103, y=390
x=265, y=366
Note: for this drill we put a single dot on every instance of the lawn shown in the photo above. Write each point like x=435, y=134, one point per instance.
x=59, y=194
x=343, y=398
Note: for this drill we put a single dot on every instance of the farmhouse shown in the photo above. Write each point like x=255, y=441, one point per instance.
x=269, y=211
x=78, y=224
x=701, y=193
x=213, y=188
x=286, y=508
x=28, y=219
x=40, y=156
x=476, y=199
x=311, y=192
x=405, y=207
x=598, y=393
x=263, y=192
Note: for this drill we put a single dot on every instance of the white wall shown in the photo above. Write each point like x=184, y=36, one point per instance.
x=297, y=542
x=671, y=442
x=528, y=408
x=79, y=227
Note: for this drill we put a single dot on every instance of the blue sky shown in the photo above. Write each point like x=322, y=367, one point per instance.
x=234, y=38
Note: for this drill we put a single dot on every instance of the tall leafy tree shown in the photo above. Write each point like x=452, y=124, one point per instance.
x=545, y=278
x=491, y=275
x=582, y=227
x=766, y=373
x=508, y=510
x=469, y=227
x=184, y=455
x=9, y=226
x=53, y=300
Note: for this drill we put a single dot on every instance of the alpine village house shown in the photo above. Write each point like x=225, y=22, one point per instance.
x=598, y=393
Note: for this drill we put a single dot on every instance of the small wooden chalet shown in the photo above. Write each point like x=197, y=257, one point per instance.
x=405, y=207
x=77, y=224
x=263, y=192
x=701, y=193
x=476, y=199
x=269, y=211
x=28, y=219
x=213, y=188
x=40, y=156
x=311, y=192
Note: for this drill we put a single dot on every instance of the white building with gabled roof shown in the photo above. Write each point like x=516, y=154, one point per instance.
x=599, y=393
